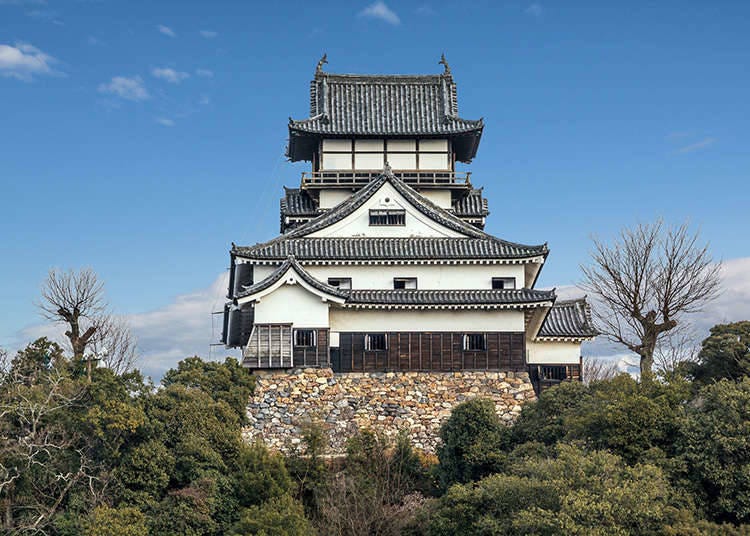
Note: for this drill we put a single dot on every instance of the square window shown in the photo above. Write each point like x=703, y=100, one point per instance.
x=475, y=342
x=384, y=217
x=503, y=282
x=376, y=341
x=404, y=283
x=304, y=337
x=344, y=283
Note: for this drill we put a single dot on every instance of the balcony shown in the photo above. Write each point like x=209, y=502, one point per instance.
x=358, y=178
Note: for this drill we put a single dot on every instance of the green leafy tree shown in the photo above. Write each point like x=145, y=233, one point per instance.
x=279, y=516
x=577, y=492
x=473, y=441
x=724, y=354
x=715, y=444
x=125, y=521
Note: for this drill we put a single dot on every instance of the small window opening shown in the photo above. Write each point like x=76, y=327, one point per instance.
x=304, y=337
x=384, y=217
x=503, y=282
x=344, y=283
x=475, y=342
x=404, y=283
x=376, y=341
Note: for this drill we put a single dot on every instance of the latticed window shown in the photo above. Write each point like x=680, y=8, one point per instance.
x=344, y=283
x=475, y=341
x=304, y=337
x=387, y=217
x=503, y=282
x=404, y=282
x=376, y=341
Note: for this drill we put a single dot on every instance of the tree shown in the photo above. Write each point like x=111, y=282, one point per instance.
x=646, y=283
x=724, y=354
x=473, y=441
x=574, y=492
x=714, y=444
x=597, y=369
x=77, y=299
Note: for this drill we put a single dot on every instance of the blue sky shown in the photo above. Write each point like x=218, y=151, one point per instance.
x=140, y=138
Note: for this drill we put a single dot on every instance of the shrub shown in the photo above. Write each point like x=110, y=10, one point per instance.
x=473, y=440
x=279, y=516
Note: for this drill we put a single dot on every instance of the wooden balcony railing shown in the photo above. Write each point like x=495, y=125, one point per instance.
x=355, y=178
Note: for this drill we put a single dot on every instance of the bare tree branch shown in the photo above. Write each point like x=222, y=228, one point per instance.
x=598, y=369
x=646, y=283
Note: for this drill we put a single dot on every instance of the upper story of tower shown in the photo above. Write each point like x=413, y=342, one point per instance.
x=360, y=123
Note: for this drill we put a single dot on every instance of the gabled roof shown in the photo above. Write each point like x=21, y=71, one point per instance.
x=472, y=204
x=297, y=202
x=284, y=245
x=450, y=297
x=384, y=106
x=569, y=319
x=378, y=249
x=290, y=264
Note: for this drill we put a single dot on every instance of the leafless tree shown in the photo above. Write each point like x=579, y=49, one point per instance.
x=677, y=346
x=76, y=298
x=114, y=344
x=597, y=369
x=646, y=282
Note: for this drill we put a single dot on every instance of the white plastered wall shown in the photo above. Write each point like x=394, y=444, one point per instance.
x=331, y=198
x=292, y=304
x=552, y=353
x=429, y=276
x=358, y=223
x=441, y=198
x=425, y=320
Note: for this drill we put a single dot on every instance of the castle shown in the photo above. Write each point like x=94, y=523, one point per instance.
x=383, y=264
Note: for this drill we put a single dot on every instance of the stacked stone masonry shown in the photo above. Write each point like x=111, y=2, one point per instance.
x=418, y=402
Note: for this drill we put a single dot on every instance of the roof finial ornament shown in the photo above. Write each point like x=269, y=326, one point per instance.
x=444, y=62
x=321, y=62
x=387, y=169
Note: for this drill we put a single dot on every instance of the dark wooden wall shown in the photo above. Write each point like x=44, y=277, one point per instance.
x=442, y=351
x=313, y=356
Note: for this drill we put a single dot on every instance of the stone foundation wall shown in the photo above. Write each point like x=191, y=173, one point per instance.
x=416, y=401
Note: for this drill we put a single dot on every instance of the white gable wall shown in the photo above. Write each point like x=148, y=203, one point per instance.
x=292, y=304
x=358, y=223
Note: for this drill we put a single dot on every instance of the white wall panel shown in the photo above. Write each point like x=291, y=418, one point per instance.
x=427, y=320
x=337, y=145
x=552, y=353
x=334, y=161
x=292, y=304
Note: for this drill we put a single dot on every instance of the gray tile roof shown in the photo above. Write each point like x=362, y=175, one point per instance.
x=471, y=205
x=297, y=202
x=388, y=248
x=569, y=319
x=405, y=297
x=383, y=105
x=277, y=274
x=412, y=248
x=449, y=297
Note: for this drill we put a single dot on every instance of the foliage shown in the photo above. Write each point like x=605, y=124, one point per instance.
x=575, y=492
x=473, y=439
x=228, y=381
x=125, y=521
x=715, y=443
x=279, y=516
x=724, y=354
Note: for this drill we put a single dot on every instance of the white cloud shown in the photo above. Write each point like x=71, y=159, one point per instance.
x=165, y=122
x=204, y=100
x=702, y=144
x=126, y=88
x=205, y=73
x=170, y=75
x=166, y=30
x=379, y=10
x=208, y=34
x=24, y=61
x=535, y=10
